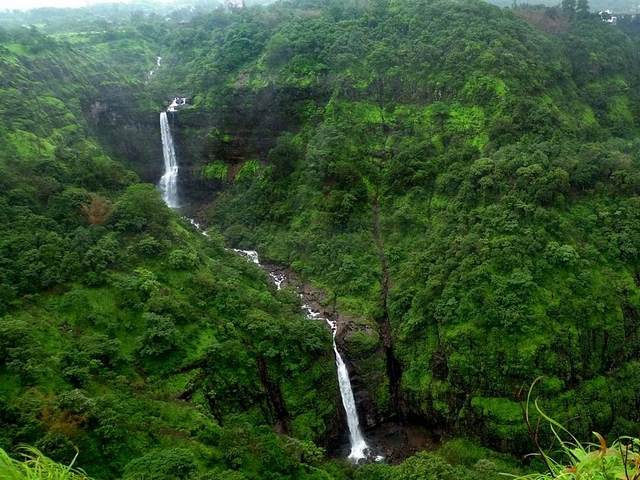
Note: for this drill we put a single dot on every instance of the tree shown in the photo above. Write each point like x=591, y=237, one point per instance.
x=160, y=335
x=97, y=211
x=175, y=463
x=141, y=208
x=569, y=8
x=583, y=9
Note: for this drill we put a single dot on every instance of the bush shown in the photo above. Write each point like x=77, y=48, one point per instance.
x=422, y=466
x=35, y=466
x=160, y=335
x=589, y=461
x=57, y=446
x=183, y=260
x=141, y=208
x=222, y=475
x=170, y=464
x=99, y=258
x=148, y=246
x=20, y=351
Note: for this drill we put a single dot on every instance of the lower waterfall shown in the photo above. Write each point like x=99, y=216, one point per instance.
x=359, y=447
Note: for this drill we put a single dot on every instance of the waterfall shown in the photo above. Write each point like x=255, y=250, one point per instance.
x=177, y=102
x=152, y=71
x=250, y=254
x=169, y=180
x=359, y=447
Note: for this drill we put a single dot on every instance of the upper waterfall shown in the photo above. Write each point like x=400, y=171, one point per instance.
x=169, y=181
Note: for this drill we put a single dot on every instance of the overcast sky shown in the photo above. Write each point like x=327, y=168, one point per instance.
x=27, y=4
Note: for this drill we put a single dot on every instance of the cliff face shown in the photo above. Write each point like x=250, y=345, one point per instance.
x=245, y=126
x=128, y=130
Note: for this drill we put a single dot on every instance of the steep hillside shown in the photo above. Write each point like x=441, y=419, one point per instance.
x=464, y=184
x=125, y=334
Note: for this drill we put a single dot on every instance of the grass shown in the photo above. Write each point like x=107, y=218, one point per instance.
x=593, y=461
x=35, y=466
x=588, y=461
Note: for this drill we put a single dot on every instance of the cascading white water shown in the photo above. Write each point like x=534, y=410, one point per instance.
x=169, y=180
x=358, y=444
x=278, y=278
x=177, y=102
x=250, y=254
x=152, y=71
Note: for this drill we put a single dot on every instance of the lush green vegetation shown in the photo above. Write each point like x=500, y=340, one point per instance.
x=125, y=334
x=586, y=461
x=471, y=463
x=461, y=180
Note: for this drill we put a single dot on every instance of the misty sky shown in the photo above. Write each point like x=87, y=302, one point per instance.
x=27, y=4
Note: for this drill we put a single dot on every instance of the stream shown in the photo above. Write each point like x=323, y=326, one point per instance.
x=168, y=185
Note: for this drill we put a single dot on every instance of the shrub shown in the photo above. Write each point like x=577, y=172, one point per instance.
x=590, y=461
x=57, y=446
x=215, y=171
x=159, y=337
x=97, y=211
x=183, y=260
x=174, y=464
x=140, y=208
x=148, y=246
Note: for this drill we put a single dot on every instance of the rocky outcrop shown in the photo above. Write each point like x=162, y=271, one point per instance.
x=245, y=125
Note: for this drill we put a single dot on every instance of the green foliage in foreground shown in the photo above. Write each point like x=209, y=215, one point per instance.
x=179, y=463
x=620, y=461
x=590, y=461
x=36, y=466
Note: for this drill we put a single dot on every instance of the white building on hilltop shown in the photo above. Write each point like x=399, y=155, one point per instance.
x=607, y=16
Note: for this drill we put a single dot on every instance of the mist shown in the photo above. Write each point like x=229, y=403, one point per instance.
x=32, y=4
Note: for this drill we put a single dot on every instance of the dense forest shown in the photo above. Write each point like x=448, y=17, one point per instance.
x=457, y=183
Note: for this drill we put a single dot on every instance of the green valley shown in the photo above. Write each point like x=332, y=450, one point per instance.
x=449, y=189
